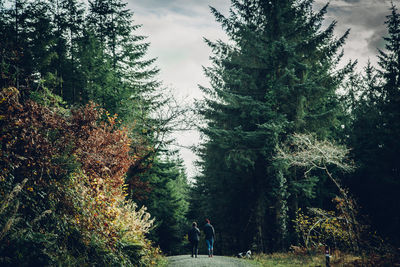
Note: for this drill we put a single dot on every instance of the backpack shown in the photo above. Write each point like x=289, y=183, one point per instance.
x=190, y=235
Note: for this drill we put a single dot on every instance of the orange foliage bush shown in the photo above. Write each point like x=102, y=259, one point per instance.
x=101, y=147
x=75, y=165
x=28, y=132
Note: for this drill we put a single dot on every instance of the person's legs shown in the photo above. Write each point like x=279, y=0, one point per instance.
x=196, y=243
x=193, y=245
x=208, y=242
x=211, y=247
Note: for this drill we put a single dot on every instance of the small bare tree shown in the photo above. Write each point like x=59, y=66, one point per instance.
x=306, y=151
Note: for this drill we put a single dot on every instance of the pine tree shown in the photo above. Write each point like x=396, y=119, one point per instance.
x=71, y=14
x=389, y=61
x=274, y=77
x=6, y=49
x=134, y=77
x=95, y=74
x=37, y=35
x=16, y=57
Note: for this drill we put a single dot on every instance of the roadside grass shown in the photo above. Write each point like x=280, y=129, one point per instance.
x=311, y=259
x=291, y=259
x=288, y=259
x=162, y=261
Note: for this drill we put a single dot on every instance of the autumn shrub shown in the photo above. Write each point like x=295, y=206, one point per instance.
x=107, y=214
x=319, y=227
x=62, y=187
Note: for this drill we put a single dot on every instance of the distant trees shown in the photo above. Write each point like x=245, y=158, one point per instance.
x=168, y=203
x=374, y=132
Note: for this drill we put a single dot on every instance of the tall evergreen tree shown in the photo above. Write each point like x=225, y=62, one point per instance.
x=134, y=76
x=274, y=77
x=16, y=57
x=94, y=72
x=71, y=17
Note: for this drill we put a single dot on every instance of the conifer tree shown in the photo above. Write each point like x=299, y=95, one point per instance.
x=16, y=58
x=71, y=15
x=134, y=77
x=274, y=77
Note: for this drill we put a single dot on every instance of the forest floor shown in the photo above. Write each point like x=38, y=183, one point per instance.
x=205, y=261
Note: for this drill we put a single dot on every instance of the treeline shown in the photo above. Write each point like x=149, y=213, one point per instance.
x=79, y=52
x=298, y=150
x=84, y=139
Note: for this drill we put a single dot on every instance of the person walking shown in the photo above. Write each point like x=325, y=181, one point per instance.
x=194, y=237
x=210, y=237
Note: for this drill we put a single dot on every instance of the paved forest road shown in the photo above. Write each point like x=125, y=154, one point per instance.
x=205, y=261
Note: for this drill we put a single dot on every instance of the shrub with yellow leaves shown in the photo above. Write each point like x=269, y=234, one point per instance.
x=319, y=227
x=101, y=209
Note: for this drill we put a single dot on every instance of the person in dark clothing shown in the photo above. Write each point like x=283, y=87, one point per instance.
x=210, y=237
x=194, y=237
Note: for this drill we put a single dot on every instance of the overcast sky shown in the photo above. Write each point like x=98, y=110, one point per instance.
x=175, y=30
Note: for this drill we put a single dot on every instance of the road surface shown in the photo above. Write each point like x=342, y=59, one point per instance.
x=205, y=261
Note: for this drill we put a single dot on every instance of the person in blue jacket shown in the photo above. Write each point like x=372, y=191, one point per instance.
x=194, y=237
x=210, y=237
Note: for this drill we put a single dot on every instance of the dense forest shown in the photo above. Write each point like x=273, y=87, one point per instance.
x=298, y=148
x=86, y=175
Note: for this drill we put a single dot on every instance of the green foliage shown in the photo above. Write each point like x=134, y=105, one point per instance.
x=317, y=258
x=342, y=230
x=299, y=257
x=46, y=98
x=288, y=259
x=323, y=228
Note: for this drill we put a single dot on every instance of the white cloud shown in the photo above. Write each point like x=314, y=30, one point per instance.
x=175, y=30
x=177, y=41
x=365, y=19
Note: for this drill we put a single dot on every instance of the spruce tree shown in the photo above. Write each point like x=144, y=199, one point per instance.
x=389, y=62
x=275, y=76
